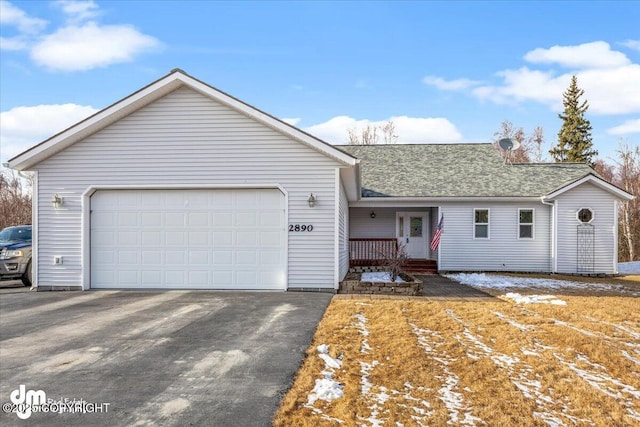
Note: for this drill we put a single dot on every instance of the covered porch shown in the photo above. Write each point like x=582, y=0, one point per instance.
x=377, y=233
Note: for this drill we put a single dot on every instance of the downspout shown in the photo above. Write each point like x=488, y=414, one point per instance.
x=554, y=255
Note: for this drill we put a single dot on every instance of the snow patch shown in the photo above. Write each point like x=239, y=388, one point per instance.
x=496, y=281
x=453, y=400
x=597, y=377
x=632, y=267
x=379, y=276
x=326, y=388
x=521, y=375
x=534, y=299
x=513, y=322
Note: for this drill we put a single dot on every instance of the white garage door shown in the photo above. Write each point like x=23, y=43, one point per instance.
x=189, y=239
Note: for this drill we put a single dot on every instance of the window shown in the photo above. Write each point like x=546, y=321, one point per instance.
x=525, y=220
x=585, y=215
x=416, y=226
x=481, y=223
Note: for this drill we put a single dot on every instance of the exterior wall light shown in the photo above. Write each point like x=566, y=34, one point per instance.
x=57, y=201
x=311, y=200
x=372, y=214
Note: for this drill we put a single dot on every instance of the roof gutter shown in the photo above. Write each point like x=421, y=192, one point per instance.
x=394, y=201
x=553, y=249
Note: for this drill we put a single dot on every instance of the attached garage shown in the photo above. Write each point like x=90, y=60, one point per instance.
x=188, y=239
x=181, y=186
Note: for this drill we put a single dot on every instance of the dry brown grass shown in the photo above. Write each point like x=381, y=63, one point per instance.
x=500, y=364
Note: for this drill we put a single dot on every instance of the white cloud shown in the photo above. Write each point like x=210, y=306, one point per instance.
x=410, y=130
x=608, y=91
x=457, y=84
x=81, y=44
x=13, y=43
x=90, y=46
x=630, y=126
x=525, y=84
x=23, y=127
x=78, y=11
x=596, y=54
x=631, y=44
x=608, y=77
x=14, y=16
x=291, y=121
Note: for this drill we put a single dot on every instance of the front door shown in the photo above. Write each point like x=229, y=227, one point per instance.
x=411, y=231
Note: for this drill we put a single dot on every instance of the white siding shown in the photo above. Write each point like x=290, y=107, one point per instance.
x=343, y=233
x=602, y=204
x=503, y=251
x=362, y=226
x=188, y=139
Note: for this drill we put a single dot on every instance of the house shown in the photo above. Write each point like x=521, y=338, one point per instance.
x=181, y=185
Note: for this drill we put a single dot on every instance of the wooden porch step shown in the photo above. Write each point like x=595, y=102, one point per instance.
x=422, y=266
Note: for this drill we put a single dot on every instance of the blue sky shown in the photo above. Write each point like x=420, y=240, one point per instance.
x=443, y=71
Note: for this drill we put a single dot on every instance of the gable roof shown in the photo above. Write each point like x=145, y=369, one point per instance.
x=457, y=170
x=152, y=92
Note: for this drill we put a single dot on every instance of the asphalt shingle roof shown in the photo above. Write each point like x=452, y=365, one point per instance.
x=455, y=170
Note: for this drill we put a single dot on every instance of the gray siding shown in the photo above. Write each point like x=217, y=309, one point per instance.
x=186, y=138
x=602, y=203
x=503, y=251
x=343, y=233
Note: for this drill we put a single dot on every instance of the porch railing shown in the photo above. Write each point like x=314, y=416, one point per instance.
x=371, y=251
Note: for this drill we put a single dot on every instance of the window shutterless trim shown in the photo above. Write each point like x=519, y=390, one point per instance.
x=482, y=223
x=532, y=223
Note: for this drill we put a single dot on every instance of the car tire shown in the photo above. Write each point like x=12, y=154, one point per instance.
x=27, y=276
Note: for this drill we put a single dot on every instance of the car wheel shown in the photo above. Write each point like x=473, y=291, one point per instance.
x=27, y=276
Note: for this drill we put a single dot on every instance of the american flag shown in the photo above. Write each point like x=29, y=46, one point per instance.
x=435, y=242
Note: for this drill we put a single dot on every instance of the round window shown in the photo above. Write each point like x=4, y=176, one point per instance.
x=585, y=215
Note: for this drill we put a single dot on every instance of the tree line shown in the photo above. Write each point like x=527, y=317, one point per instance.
x=15, y=200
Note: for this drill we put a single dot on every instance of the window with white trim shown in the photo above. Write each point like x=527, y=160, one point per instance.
x=525, y=223
x=584, y=215
x=481, y=223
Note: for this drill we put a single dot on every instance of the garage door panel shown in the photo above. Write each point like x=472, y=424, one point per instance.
x=128, y=278
x=246, y=238
x=152, y=219
x=151, y=278
x=222, y=219
x=151, y=238
x=198, y=219
x=175, y=219
x=177, y=238
x=127, y=238
x=200, y=239
x=151, y=257
x=127, y=219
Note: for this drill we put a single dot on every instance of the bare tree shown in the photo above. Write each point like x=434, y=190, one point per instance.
x=15, y=202
x=395, y=260
x=389, y=133
x=370, y=135
x=605, y=170
x=507, y=130
x=537, y=139
x=625, y=173
x=628, y=165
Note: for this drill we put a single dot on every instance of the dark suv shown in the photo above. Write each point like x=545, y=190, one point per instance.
x=15, y=253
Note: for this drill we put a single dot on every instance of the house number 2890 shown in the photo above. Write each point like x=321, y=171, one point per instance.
x=299, y=227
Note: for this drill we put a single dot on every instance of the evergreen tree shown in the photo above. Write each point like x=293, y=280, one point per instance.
x=574, y=139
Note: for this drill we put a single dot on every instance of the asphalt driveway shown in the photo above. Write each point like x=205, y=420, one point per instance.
x=156, y=358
